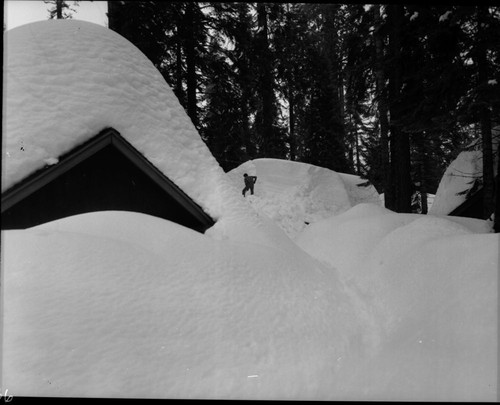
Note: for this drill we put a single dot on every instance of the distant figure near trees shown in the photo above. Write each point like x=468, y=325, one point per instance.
x=249, y=182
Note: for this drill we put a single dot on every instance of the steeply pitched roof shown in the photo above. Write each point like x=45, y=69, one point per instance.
x=66, y=80
x=107, y=137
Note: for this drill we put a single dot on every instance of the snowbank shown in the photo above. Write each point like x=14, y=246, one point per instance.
x=117, y=304
x=441, y=311
x=367, y=304
x=66, y=80
x=294, y=193
x=128, y=305
x=360, y=229
x=433, y=283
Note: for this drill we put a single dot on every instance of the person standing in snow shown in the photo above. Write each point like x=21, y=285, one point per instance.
x=249, y=182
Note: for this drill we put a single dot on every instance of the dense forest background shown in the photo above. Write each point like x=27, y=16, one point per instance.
x=388, y=92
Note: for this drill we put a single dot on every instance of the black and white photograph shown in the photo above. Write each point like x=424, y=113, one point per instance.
x=250, y=201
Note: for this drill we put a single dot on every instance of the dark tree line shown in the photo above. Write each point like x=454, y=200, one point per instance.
x=391, y=93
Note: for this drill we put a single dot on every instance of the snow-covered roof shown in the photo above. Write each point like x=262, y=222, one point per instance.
x=66, y=80
x=457, y=179
x=460, y=175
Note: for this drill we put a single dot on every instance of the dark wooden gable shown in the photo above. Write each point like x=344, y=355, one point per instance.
x=472, y=207
x=105, y=173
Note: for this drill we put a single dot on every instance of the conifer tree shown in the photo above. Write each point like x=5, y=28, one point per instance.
x=382, y=104
x=232, y=65
x=60, y=9
x=399, y=141
x=271, y=144
x=483, y=107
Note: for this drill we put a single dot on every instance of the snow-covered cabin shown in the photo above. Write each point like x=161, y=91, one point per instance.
x=460, y=191
x=105, y=173
x=90, y=124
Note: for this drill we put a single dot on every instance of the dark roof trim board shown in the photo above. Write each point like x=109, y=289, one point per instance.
x=108, y=136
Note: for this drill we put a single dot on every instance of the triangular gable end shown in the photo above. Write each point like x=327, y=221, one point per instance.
x=472, y=207
x=104, y=173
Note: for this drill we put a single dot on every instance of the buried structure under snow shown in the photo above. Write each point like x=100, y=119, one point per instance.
x=105, y=173
x=460, y=192
x=90, y=124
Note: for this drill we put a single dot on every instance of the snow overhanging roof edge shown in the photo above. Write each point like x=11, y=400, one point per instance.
x=108, y=136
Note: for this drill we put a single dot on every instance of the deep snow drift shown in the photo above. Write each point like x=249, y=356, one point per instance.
x=294, y=194
x=67, y=80
x=124, y=304
x=362, y=304
x=433, y=284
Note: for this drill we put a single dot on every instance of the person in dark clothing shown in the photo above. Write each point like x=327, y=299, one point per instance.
x=249, y=182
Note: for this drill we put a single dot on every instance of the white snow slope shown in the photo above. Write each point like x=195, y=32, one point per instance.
x=433, y=283
x=67, y=80
x=294, y=193
x=128, y=305
x=117, y=304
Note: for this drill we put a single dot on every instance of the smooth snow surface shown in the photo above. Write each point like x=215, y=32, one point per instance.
x=117, y=304
x=124, y=304
x=433, y=283
x=294, y=194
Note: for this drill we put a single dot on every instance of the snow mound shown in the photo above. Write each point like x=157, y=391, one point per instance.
x=367, y=304
x=128, y=305
x=360, y=230
x=294, y=194
x=433, y=284
x=440, y=301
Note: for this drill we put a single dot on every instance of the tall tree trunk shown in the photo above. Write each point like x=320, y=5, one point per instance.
x=358, y=158
x=191, y=62
x=488, y=177
x=340, y=89
x=484, y=115
x=382, y=111
x=350, y=137
x=179, y=90
x=245, y=81
x=496, y=225
x=422, y=164
x=400, y=142
x=247, y=138
x=266, y=85
x=114, y=15
x=291, y=122
x=340, y=158
x=59, y=9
